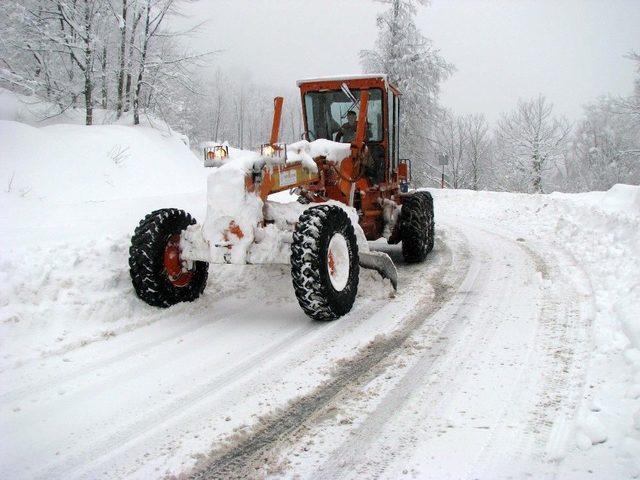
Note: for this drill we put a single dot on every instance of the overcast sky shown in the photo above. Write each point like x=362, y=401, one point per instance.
x=569, y=50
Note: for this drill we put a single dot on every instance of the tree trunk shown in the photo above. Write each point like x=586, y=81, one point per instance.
x=127, y=95
x=475, y=177
x=143, y=58
x=88, y=97
x=217, y=127
x=129, y=67
x=88, y=61
x=104, y=78
x=537, y=175
x=123, y=42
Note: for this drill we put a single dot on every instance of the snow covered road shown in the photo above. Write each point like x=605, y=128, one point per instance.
x=469, y=386
x=475, y=369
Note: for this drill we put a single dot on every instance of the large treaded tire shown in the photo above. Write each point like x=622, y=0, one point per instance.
x=146, y=265
x=428, y=199
x=309, y=262
x=417, y=226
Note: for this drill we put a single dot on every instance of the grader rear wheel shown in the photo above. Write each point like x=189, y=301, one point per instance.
x=324, y=262
x=428, y=203
x=417, y=226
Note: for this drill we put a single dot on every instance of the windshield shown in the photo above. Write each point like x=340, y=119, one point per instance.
x=333, y=115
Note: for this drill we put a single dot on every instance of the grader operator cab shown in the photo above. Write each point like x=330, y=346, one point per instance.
x=349, y=193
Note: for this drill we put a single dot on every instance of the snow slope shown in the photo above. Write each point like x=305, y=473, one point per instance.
x=71, y=163
x=512, y=351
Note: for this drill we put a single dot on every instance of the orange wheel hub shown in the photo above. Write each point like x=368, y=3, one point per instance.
x=173, y=264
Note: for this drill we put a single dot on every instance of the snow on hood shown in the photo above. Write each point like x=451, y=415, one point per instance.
x=307, y=151
x=228, y=201
x=302, y=151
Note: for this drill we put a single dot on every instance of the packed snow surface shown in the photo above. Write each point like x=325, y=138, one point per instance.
x=512, y=352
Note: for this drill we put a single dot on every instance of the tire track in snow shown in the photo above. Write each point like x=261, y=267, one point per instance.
x=240, y=460
x=561, y=338
x=450, y=322
x=504, y=444
x=156, y=317
x=120, y=439
x=111, y=441
x=137, y=349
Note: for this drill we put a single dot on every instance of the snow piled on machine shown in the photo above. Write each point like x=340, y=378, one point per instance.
x=306, y=151
x=234, y=216
x=228, y=202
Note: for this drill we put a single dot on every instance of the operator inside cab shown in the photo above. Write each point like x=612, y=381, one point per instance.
x=347, y=132
x=374, y=158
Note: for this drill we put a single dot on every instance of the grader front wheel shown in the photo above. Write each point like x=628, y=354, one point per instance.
x=324, y=262
x=158, y=275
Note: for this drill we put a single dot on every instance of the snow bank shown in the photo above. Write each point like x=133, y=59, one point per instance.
x=33, y=111
x=622, y=199
x=602, y=231
x=70, y=163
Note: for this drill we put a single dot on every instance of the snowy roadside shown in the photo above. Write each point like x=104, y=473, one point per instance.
x=601, y=231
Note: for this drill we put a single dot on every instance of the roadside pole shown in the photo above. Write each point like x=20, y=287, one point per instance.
x=443, y=159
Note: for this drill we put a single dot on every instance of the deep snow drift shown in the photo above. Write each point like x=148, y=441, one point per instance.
x=97, y=383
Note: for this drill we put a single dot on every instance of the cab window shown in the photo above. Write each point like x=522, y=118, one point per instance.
x=326, y=113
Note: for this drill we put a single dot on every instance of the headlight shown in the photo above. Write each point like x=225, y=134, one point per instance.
x=220, y=153
x=268, y=151
x=215, y=156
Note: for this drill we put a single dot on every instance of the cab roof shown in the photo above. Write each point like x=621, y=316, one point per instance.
x=337, y=78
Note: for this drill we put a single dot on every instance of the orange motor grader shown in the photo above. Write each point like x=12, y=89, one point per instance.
x=343, y=202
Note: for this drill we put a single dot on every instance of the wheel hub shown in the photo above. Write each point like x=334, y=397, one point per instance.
x=176, y=273
x=338, y=265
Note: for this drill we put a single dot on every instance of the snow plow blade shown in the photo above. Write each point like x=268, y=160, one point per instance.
x=381, y=263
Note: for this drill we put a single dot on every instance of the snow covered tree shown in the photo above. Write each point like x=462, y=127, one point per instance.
x=127, y=15
x=631, y=104
x=478, y=150
x=416, y=67
x=450, y=139
x=530, y=141
x=605, y=148
x=62, y=40
x=466, y=142
x=114, y=54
